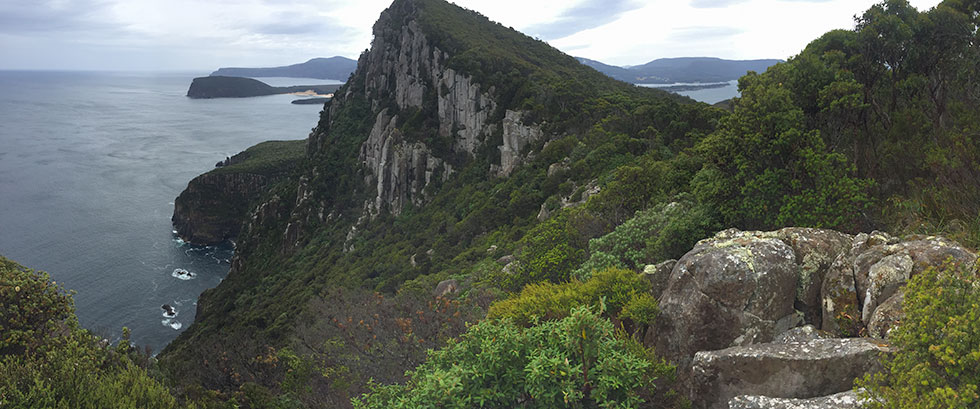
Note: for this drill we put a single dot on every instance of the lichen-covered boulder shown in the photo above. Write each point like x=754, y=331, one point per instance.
x=872, y=270
x=730, y=290
x=816, y=250
x=841, y=314
x=888, y=315
x=446, y=288
x=658, y=275
x=843, y=400
x=805, y=333
x=848, y=277
x=795, y=370
x=884, y=278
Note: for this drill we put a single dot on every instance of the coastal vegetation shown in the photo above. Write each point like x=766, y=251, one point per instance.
x=48, y=361
x=524, y=289
x=837, y=137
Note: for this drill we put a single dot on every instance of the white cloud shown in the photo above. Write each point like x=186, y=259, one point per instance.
x=190, y=34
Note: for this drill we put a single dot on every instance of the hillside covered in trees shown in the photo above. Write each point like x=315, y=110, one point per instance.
x=475, y=192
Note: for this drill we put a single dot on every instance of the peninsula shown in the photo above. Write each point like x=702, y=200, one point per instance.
x=240, y=87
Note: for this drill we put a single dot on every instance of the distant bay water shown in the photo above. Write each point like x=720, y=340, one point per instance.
x=90, y=164
x=707, y=95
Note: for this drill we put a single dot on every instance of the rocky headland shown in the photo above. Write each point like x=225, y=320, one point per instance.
x=240, y=87
x=213, y=206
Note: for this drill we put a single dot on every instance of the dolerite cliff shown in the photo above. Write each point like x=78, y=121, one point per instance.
x=213, y=206
x=402, y=75
x=405, y=123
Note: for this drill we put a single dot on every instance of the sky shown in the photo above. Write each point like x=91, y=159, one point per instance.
x=202, y=35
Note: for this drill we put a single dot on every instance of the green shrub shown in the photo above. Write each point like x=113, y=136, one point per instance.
x=575, y=362
x=550, y=251
x=663, y=232
x=48, y=361
x=938, y=345
x=620, y=290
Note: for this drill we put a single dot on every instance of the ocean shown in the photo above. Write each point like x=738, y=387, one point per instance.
x=90, y=164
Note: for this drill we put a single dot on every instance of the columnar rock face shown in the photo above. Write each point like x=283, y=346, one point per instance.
x=516, y=137
x=399, y=169
x=794, y=370
x=213, y=206
x=404, y=73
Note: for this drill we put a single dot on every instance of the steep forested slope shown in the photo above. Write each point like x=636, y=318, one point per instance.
x=468, y=155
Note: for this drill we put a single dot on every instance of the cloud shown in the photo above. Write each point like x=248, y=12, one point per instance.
x=53, y=16
x=583, y=16
x=684, y=34
x=714, y=4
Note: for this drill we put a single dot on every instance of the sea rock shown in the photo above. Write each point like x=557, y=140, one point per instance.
x=888, y=315
x=169, y=310
x=843, y=400
x=446, y=287
x=795, y=370
x=730, y=290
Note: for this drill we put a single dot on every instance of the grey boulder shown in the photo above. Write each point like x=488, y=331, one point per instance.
x=794, y=370
x=730, y=290
x=843, y=400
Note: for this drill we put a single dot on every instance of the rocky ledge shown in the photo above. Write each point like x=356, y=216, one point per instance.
x=786, y=316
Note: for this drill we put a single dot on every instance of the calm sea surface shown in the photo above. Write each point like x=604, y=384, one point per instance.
x=709, y=95
x=90, y=164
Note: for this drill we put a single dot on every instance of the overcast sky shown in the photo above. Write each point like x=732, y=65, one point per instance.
x=204, y=35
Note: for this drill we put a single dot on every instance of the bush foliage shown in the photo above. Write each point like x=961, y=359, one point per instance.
x=48, y=361
x=938, y=345
x=575, y=362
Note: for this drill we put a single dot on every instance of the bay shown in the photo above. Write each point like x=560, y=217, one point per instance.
x=90, y=164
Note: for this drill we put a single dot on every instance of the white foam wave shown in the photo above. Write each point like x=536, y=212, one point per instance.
x=172, y=324
x=183, y=274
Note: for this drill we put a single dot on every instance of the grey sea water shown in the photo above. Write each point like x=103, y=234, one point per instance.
x=90, y=164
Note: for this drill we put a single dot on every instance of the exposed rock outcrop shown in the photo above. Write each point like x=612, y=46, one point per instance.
x=794, y=370
x=405, y=69
x=733, y=312
x=730, y=290
x=212, y=207
x=843, y=400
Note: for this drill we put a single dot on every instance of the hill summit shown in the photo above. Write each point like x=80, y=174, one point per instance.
x=333, y=68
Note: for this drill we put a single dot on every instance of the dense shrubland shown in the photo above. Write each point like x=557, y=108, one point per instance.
x=875, y=127
x=48, y=361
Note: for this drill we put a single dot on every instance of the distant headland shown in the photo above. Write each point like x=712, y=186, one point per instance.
x=240, y=87
x=333, y=68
